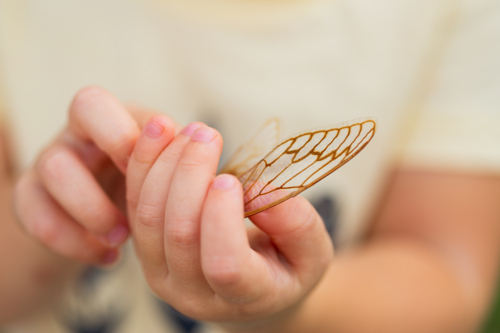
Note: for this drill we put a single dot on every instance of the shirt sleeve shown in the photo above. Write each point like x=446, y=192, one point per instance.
x=458, y=126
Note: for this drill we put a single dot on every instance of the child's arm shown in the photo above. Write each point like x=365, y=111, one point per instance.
x=429, y=265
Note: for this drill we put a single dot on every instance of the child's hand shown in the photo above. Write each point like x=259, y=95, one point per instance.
x=191, y=239
x=68, y=199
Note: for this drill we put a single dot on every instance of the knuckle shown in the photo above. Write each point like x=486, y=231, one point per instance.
x=52, y=162
x=191, y=163
x=224, y=275
x=311, y=221
x=83, y=98
x=181, y=233
x=132, y=199
x=156, y=282
x=149, y=215
x=143, y=156
x=152, y=282
x=195, y=157
x=194, y=307
x=169, y=156
x=122, y=141
x=97, y=218
x=305, y=225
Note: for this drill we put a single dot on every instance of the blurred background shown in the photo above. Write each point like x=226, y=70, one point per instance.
x=427, y=70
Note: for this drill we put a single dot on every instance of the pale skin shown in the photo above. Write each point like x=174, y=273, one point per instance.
x=428, y=265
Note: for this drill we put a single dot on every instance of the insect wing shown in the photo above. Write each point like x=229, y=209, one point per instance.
x=301, y=161
x=265, y=138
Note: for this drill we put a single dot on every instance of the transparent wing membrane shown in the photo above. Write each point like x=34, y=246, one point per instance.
x=265, y=138
x=299, y=162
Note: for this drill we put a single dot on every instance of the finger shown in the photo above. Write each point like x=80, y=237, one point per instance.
x=142, y=115
x=193, y=176
x=156, y=135
x=93, y=157
x=97, y=116
x=233, y=270
x=299, y=234
x=148, y=224
x=43, y=218
x=74, y=187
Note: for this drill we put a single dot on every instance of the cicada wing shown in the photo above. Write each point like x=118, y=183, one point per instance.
x=301, y=161
x=265, y=138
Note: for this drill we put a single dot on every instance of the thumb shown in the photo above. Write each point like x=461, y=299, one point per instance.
x=299, y=233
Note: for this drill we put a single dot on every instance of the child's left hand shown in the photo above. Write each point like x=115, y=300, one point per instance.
x=192, y=242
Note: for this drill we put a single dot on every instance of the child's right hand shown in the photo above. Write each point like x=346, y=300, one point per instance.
x=191, y=240
x=70, y=198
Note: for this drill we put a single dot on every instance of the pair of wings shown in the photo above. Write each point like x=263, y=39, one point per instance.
x=272, y=172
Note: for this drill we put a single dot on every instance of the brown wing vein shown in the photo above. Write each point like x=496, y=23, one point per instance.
x=250, y=178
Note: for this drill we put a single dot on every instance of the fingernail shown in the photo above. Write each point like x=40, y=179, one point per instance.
x=117, y=235
x=223, y=182
x=153, y=129
x=203, y=134
x=110, y=257
x=189, y=129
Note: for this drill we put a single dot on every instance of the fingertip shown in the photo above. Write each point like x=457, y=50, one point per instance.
x=156, y=135
x=226, y=192
x=288, y=216
x=96, y=115
x=298, y=231
x=85, y=95
x=278, y=209
x=117, y=236
x=153, y=129
x=203, y=135
x=224, y=182
x=159, y=124
x=110, y=257
x=191, y=128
